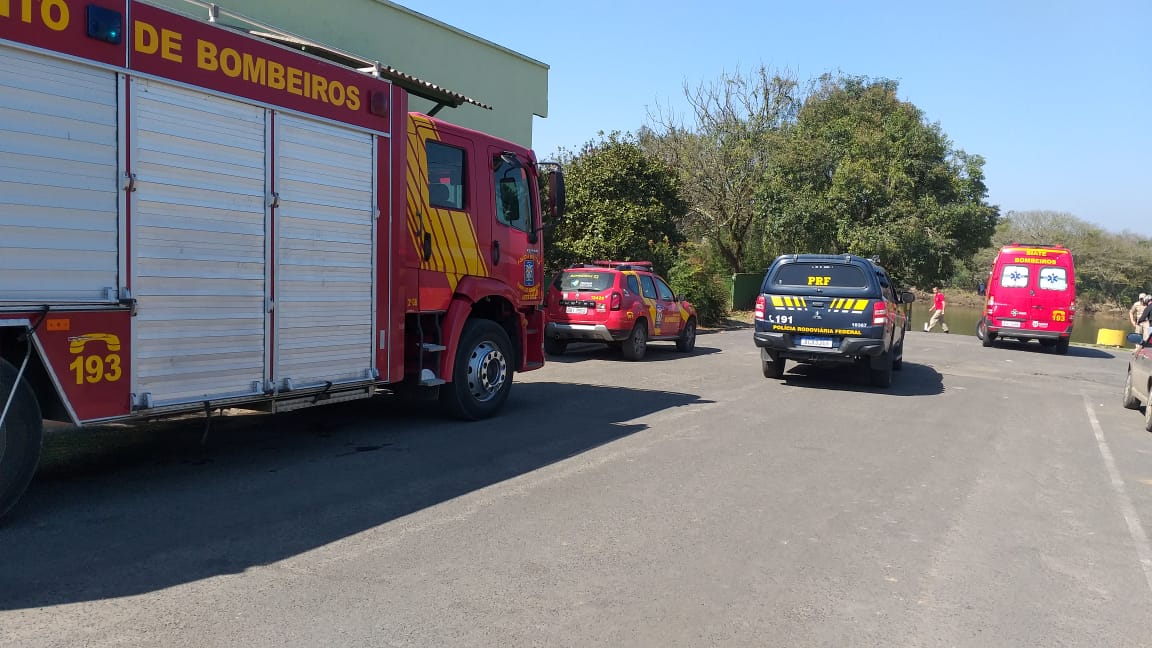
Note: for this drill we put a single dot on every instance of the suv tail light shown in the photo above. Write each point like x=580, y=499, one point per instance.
x=879, y=313
x=616, y=300
x=761, y=306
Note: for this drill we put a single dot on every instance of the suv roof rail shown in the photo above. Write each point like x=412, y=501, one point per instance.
x=625, y=265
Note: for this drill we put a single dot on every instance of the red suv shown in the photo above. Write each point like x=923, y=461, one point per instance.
x=621, y=303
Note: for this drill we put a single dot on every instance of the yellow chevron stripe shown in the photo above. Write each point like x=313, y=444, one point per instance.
x=777, y=302
x=455, y=243
x=861, y=304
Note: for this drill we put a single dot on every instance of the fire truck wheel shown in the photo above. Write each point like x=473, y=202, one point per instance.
x=20, y=438
x=481, y=375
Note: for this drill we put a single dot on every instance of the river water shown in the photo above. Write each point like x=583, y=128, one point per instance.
x=962, y=320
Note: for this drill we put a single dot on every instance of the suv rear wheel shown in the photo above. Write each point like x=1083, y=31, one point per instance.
x=637, y=342
x=553, y=346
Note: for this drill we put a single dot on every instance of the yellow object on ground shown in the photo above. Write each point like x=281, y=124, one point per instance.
x=1110, y=337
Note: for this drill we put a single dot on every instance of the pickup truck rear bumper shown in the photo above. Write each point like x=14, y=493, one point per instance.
x=782, y=345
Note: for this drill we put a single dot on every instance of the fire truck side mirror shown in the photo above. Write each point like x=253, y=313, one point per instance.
x=556, y=194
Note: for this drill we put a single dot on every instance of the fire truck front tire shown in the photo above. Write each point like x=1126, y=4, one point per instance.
x=20, y=438
x=482, y=373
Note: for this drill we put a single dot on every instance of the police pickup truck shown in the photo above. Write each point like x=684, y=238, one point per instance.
x=825, y=309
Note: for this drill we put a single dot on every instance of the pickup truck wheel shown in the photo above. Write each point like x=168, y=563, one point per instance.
x=21, y=436
x=687, y=340
x=481, y=375
x=882, y=377
x=637, y=342
x=773, y=368
x=553, y=346
x=1130, y=399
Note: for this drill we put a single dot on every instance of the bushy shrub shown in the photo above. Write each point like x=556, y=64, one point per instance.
x=694, y=277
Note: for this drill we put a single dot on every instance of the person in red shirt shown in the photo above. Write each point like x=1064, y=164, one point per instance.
x=938, y=304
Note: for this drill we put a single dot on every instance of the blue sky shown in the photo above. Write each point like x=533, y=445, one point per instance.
x=1057, y=95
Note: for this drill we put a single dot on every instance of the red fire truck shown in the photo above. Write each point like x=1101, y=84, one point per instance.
x=196, y=217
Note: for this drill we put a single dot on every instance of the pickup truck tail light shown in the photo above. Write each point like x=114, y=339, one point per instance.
x=879, y=313
x=761, y=306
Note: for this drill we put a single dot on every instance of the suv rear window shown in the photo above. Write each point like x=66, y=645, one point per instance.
x=820, y=275
x=590, y=281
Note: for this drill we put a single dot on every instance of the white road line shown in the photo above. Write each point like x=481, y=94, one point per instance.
x=1135, y=529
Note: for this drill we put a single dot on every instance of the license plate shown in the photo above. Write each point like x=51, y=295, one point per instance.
x=824, y=343
x=576, y=310
x=1009, y=324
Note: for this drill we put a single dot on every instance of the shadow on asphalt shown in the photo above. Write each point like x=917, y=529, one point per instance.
x=912, y=380
x=657, y=352
x=118, y=511
x=1073, y=351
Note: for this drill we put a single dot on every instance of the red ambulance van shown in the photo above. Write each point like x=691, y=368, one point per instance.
x=1031, y=296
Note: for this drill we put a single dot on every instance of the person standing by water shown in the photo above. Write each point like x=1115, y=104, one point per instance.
x=1144, y=319
x=938, y=304
x=1136, y=310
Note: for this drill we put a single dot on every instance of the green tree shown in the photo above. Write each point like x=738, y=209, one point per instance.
x=622, y=204
x=862, y=172
x=720, y=158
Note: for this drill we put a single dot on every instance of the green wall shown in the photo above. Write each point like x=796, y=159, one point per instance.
x=745, y=290
x=514, y=85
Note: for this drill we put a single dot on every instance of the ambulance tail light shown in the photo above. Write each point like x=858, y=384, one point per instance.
x=879, y=313
x=761, y=306
x=616, y=300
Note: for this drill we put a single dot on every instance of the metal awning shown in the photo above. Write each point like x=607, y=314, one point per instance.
x=424, y=89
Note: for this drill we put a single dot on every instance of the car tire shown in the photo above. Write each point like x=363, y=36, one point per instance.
x=898, y=362
x=554, y=346
x=981, y=329
x=1130, y=399
x=1148, y=418
x=482, y=373
x=637, y=342
x=687, y=340
x=773, y=368
x=988, y=339
x=882, y=377
x=20, y=438
x=1062, y=346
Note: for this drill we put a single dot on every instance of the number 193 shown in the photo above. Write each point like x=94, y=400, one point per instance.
x=94, y=368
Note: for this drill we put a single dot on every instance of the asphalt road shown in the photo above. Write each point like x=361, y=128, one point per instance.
x=992, y=497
